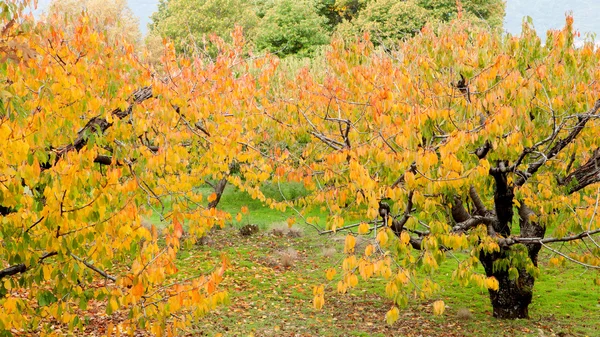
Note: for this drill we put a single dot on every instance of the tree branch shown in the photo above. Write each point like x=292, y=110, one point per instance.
x=21, y=268
x=459, y=213
x=559, y=145
x=586, y=174
x=398, y=225
x=480, y=208
x=99, y=124
x=94, y=268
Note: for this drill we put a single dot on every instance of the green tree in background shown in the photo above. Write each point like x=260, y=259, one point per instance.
x=388, y=21
x=292, y=27
x=490, y=11
x=188, y=22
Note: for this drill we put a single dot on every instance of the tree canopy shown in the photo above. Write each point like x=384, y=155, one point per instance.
x=292, y=27
x=289, y=27
x=188, y=23
x=113, y=16
x=457, y=140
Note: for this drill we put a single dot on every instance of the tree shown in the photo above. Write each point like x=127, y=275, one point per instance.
x=114, y=16
x=93, y=142
x=389, y=21
x=292, y=27
x=189, y=22
x=460, y=140
x=491, y=12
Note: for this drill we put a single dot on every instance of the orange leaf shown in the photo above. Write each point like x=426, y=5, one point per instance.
x=138, y=290
x=178, y=228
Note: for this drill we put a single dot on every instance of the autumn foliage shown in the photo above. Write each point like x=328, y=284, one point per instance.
x=93, y=140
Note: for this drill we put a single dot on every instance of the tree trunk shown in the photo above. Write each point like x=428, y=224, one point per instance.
x=514, y=294
x=513, y=297
x=219, y=189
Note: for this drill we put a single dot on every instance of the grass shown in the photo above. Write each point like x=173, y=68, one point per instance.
x=267, y=299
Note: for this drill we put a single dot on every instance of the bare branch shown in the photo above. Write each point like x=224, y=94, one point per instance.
x=459, y=213
x=94, y=268
x=586, y=174
x=480, y=208
x=559, y=145
x=21, y=268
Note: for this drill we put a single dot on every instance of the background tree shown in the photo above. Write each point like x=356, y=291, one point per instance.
x=113, y=16
x=292, y=27
x=387, y=21
x=390, y=21
x=485, y=11
x=284, y=27
x=189, y=22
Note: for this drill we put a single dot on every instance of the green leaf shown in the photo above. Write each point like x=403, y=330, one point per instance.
x=45, y=298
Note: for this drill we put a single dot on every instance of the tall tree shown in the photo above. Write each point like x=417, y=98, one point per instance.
x=292, y=27
x=188, y=23
x=389, y=21
x=458, y=140
x=113, y=16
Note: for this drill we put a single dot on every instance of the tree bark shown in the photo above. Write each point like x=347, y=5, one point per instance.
x=512, y=299
x=219, y=188
x=587, y=174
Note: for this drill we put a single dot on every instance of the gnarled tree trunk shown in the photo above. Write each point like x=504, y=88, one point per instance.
x=512, y=299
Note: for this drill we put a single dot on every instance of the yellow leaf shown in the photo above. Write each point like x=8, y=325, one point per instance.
x=318, y=301
x=113, y=304
x=382, y=238
x=349, y=244
x=438, y=308
x=330, y=273
x=239, y=217
x=409, y=177
x=291, y=222
x=10, y=305
x=47, y=272
x=492, y=283
x=178, y=229
x=363, y=228
x=369, y=250
x=212, y=197
x=244, y=209
x=392, y=315
x=353, y=280
x=404, y=238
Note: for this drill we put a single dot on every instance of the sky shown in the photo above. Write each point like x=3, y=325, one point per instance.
x=546, y=14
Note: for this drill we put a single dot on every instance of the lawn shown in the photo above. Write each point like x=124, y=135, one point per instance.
x=273, y=272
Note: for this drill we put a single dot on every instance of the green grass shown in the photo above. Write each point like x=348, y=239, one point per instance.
x=269, y=300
